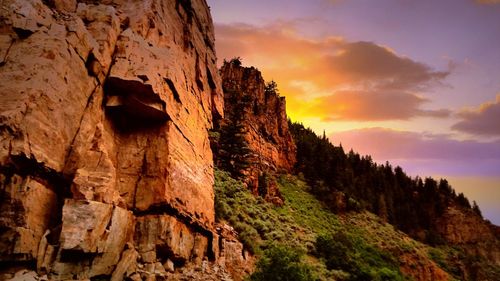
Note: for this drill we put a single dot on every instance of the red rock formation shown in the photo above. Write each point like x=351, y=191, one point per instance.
x=105, y=163
x=459, y=226
x=421, y=269
x=265, y=123
x=477, y=237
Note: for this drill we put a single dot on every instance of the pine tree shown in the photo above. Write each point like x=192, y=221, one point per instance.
x=411, y=204
x=271, y=88
x=234, y=152
x=476, y=209
x=236, y=61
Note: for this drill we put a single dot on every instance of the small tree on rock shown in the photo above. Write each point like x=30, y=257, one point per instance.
x=271, y=88
x=236, y=61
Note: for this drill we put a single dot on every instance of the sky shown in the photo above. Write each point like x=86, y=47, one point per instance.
x=412, y=82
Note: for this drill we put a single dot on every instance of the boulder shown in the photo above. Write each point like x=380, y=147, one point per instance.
x=85, y=226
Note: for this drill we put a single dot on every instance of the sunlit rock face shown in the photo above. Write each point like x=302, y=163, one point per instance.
x=105, y=162
x=265, y=123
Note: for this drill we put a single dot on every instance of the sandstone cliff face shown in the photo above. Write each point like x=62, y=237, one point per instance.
x=263, y=117
x=105, y=163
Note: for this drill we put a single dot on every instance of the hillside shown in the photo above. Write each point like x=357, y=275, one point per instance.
x=352, y=246
x=357, y=195
x=427, y=210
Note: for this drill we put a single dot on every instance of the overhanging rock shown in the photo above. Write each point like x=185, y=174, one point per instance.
x=134, y=99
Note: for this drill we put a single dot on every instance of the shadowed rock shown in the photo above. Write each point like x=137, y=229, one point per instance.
x=132, y=99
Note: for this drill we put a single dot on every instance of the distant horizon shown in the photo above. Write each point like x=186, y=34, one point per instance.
x=412, y=83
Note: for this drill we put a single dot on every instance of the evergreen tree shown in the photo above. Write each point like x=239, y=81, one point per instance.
x=234, y=153
x=271, y=88
x=236, y=61
x=476, y=209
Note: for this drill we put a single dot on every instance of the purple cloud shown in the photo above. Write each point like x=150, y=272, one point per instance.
x=424, y=154
x=482, y=121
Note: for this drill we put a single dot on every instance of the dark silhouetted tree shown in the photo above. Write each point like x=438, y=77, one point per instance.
x=236, y=61
x=476, y=209
x=271, y=87
x=233, y=153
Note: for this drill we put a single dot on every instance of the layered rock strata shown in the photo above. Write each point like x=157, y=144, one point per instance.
x=105, y=164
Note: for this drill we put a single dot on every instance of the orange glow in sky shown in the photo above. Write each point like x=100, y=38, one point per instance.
x=412, y=82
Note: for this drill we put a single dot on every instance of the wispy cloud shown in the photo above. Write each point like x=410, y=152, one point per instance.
x=392, y=144
x=372, y=106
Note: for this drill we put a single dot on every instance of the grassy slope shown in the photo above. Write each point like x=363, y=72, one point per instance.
x=377, y=248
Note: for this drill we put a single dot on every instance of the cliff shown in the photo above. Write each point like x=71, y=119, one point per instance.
x=477, y=239
x=105, y=165
x=107, y=172
x=260, y=114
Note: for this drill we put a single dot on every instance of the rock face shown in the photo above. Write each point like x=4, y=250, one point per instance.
x=262, y=114
x=105, y=163
x=421, y=269
x=460, y=227
x=478, y=239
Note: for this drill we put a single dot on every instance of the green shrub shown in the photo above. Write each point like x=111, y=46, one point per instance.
x=256, y=221
x=362, y=261
x=353, y=205
x=282, y=263
x=262, y=227
x=387, y=274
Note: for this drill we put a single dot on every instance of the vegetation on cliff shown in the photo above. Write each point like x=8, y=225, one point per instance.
x=318, y=234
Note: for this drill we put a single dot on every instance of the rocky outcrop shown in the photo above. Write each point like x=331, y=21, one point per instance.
x=476, y=237
x=459, y=226
x=105, y=164
x=262, y=116
x=420, y=268
x=467, y=229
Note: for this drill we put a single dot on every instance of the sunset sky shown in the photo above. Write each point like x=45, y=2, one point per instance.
x=413, y=82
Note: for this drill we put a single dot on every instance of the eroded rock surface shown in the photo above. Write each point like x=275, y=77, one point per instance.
x=105, y=164
x=265, y=125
